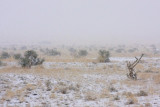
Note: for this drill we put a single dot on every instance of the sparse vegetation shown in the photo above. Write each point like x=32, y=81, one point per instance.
x=64, y=80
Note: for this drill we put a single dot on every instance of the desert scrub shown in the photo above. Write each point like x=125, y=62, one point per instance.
x=17, y=56
x=82, y=53
x=91, y=96
x=48, y=85
x=104, y=56
x=1, y=64
x=5, y=55
x=52, y=52
x=30, y=59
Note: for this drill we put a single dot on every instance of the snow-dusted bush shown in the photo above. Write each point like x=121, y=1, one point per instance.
x=104, y=56
x=30, y=59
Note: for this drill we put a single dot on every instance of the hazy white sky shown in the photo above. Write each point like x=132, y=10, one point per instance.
x=80, y=21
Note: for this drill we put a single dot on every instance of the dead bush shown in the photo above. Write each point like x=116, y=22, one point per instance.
x=116, y=97
x=63, y=90
x=112, y=89
x=142, y=93
x=48, y=85
x=130, y=101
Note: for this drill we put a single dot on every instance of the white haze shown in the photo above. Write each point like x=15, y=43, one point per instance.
x=80, y=21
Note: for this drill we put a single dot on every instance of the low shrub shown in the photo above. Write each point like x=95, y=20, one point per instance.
x=53, y=52
x=30, y=59
x=5, y=55
x=104, y=56
x=17, y=56
x=82, y=53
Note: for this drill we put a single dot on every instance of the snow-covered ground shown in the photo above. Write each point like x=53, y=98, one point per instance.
x=95, y=89
x=34, y=90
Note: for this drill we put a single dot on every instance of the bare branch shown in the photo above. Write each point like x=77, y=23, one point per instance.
x=137, y=61
x=132, y=74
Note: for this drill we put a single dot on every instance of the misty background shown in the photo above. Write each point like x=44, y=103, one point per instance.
x=80, y=21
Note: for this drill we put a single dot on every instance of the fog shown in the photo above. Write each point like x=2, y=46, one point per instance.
x=80, y=21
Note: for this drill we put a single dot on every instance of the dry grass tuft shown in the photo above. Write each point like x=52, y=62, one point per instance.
x=53, y=96
x=148, y=105
x=144, y=76
x=30, y=87
x=116, y=97
x=48, y=85
x=9, y=95
x=91, y=96
x=104, y=93
x=156, y=79
x=131, y=98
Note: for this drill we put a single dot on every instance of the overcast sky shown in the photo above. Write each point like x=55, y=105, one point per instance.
x=80, y=21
